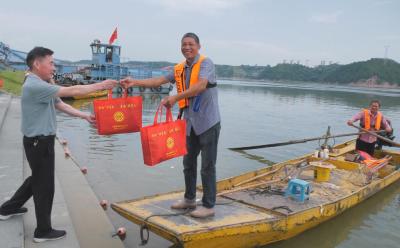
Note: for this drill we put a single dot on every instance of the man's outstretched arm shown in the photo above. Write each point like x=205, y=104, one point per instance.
x=80, y=90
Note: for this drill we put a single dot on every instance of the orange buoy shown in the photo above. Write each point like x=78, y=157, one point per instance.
x=63, y=142
x=104, y=204
x=84, y=170
x=67, y=152
x=121, y=233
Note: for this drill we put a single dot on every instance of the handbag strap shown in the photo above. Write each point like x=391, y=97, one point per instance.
x=159, y=113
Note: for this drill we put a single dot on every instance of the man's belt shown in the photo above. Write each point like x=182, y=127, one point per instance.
x=40, y=137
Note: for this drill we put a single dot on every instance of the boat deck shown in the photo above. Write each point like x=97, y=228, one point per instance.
x=227, y=213
x=342, y=184
x=249, y=205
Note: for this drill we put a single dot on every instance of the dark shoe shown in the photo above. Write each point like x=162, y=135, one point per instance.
x=4, y=215
x=52, y=235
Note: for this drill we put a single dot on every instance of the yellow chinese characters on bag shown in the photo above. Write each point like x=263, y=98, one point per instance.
x=118, y=115
x=163, y=141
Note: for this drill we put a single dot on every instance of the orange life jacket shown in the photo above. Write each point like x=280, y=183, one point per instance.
x=367, y=120
x=180, y=78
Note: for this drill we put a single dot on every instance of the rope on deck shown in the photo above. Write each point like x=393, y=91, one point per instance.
x=144, y=229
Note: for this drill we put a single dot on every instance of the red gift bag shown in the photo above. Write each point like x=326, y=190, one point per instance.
x=164, y=140
x=118, y=115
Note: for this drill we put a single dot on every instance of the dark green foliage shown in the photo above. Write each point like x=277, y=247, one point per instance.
x=385, y=70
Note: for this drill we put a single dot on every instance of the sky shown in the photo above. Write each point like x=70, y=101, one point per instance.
x=233, y=32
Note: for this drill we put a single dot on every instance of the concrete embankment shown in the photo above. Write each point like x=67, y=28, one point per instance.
x=76, y=208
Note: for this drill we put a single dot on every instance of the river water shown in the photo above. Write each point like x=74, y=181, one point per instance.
x=252, y=113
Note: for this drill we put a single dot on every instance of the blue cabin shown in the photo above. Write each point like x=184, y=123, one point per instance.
x=106, y=62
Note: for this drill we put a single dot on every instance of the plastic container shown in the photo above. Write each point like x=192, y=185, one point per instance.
x=322, y=172
x=326, y=153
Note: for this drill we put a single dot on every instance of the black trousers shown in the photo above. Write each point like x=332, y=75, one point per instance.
x=366, y=147
x=40, y=155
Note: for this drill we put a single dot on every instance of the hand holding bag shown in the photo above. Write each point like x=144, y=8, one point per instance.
x=163, y=140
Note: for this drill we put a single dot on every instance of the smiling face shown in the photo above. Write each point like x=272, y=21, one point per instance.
x=374, y=107
x=190, y=48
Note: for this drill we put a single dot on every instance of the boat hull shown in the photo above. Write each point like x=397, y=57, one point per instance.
x=247, y=223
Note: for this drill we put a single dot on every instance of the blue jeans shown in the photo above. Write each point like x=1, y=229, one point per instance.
x=207, y=144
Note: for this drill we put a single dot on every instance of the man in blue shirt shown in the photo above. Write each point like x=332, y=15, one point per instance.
x=198, y=101
x=40, y=99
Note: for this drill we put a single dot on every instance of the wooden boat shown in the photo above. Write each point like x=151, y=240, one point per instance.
x=251, y=211
x=92, y=95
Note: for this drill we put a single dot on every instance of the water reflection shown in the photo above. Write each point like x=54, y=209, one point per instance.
x=349, y=96
x=260, y=159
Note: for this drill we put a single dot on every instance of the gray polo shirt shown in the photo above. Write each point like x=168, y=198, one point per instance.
x=207, y=114
x=38, y=107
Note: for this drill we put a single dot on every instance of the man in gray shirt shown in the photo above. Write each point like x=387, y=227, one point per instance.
x=198, y=100
x=40, y=98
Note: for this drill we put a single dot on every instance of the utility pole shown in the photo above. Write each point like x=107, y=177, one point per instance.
x=386, y=53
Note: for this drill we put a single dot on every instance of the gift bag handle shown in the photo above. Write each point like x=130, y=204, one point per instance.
x=159, y=112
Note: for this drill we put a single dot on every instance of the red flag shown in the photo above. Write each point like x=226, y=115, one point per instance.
x=113, y=37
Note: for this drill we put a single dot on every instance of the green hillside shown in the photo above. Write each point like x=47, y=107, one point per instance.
x=384, y=70
x=381, y=69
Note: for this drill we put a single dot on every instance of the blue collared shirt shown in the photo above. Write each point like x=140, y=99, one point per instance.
x=208, y=113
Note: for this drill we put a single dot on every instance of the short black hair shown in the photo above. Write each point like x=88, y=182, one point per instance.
x=35, y=53
x=375, y=101
x=191, y=35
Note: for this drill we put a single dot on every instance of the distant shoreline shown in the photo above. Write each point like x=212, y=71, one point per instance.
x=369, y=84
x=373, y=82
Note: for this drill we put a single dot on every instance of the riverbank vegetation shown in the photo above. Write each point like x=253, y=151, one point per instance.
x=12, y=81
x=374, y=72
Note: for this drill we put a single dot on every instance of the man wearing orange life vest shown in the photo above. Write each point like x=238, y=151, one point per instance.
x=197, y=98
x=370, y=119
